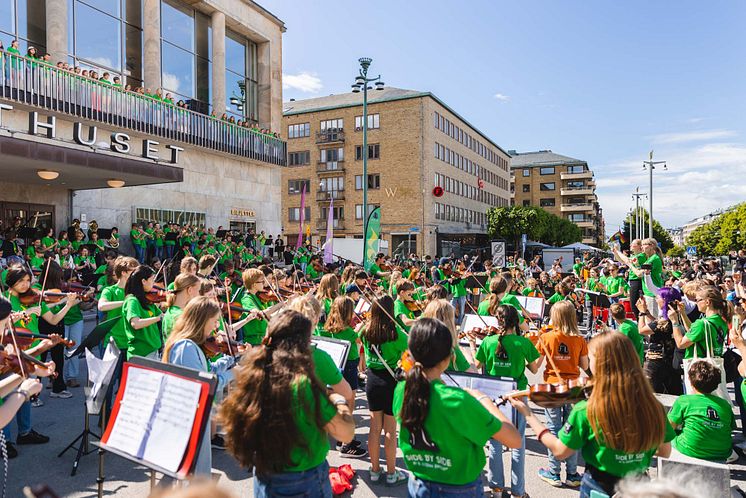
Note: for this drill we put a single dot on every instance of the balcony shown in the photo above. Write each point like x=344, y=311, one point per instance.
x=330, y=167
x=40, y=86
x=323, y=195
x=585, y=223
x=589, y=240
x=576, y=208
x=577, y=176
x=330, y=136
x=336, y=224
x=577, y=191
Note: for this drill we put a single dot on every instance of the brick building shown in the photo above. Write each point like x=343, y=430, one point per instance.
x=561, y=185
x=415, y=143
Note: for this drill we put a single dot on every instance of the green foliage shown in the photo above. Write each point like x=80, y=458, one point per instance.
x=676, y=252
x=722, y=234
x=659, y=233
x=536, y=223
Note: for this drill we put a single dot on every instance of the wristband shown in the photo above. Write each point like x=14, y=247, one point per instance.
x=541, y=434
x=25, y=394
x=340, y=402
x=484, y=396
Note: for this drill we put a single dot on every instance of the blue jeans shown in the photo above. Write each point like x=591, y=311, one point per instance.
x=495, y=476
x=140, y=254
x=23, y=420
x=419, y=488
x=73, y=332
x=589, y=485
x=556, y=418
x=312, y=483
x=350, y=371
x=459, y=303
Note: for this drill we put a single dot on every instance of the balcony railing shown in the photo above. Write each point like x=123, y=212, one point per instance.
x=330, y=167
x=330, y=136
x=576, y=191
x=576, y=176
x=569, y=208
x=324, y=195
x=336, y=224
x=37, y=84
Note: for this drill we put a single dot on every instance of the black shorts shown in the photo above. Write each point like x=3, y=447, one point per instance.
x=379, y=388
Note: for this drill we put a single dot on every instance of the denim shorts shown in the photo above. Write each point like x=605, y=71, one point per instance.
x=311, y=483
x=419, y=488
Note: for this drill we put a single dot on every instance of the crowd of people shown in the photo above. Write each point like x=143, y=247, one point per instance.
x=670, y=327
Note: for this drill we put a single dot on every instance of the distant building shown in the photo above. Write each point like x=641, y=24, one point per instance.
x=692, y=225
x=562, y=186
x=677, y=235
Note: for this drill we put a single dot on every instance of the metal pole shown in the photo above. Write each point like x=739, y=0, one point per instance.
x=650, y=198
x=637, y=214
x=365, y=154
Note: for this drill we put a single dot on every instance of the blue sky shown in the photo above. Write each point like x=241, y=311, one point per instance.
x=603, y=81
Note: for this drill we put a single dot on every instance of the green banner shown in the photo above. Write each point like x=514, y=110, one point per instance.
x=372, y=233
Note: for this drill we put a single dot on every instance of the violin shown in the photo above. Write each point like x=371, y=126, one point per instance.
x=84, y=292
x=268, y=296
x=25, y=338
x=19, y=363
x=236, y=310
x=413, y=306
x=553, y=395
x=157, y=294
x=213, y=346
x=32, y=296
x=479, y=332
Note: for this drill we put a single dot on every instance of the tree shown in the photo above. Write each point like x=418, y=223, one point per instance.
x=722, y=234
x=659, y=233
x=676, y=252
x=540, y=225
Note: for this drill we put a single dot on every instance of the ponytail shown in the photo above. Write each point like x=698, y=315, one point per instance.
x=416, y=403
x=717, y=302
x=507, y=317
x=498, y=286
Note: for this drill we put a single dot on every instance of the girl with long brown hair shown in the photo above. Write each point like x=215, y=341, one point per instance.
x=278, y=415
x=621, y=425
x=327, y=291
x=183, y=347
x=338, y=326
x=186, y=288
x=446, y=313
x=384, y=344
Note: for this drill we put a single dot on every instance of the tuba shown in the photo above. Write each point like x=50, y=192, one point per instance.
x=113, y=242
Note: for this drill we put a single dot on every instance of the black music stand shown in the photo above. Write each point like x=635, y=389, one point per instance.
x=598, y=300
x=104, y=233
x=220, y=234
x=477, y=281
x=95, y=337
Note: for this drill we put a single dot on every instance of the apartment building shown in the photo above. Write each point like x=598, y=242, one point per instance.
x=433, y=174
x=562, y=185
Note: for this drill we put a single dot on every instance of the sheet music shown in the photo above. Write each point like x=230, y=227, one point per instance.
x=337, y=350
x=172, y=423
x=362, y=307
x=534, y=306
x=475, y=321
x=494, y=387
x=135, y=411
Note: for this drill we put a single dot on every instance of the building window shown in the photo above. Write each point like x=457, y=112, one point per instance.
x=294, y=214
x=526, y=172
x=576, y=184
x=332, y=184
x=332, y=155
x=374, y=152
x=299, y=158
x=526, y=203
x=241, y=87
x=577, y=218
x=373, y=122
x=527, y=188
x=338, y=213
x=546, y=202
x=299, y=130
x=374, y=181
x=576, y=169
x=546, y=171
x=359, y=210
x=332, y=125
x=546, y=187
x=194, y=218
x=296, y=186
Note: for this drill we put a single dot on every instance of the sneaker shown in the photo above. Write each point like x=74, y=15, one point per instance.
x=64, y=394
x=550, y=477
x=11, y=450
x=349, y=451
x=37, y=402
x=374, y=476
x=32, y=437
x=732, y=458
x=574, y=480
x=499, y=493
x=73, y=383
x=397, y=478
x=218, y=442
x=354, y=443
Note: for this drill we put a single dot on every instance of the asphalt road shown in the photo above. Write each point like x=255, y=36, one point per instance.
x=62, y=420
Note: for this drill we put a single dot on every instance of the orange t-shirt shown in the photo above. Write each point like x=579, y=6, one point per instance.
x=565, y=351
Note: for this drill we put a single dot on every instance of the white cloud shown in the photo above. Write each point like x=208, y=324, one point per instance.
x=501, y=97
x=303, y=81
x=695, y=120
x=171, y=81
x=692, y=136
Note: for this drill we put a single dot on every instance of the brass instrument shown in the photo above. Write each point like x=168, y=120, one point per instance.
x=93, y=227
x=113, y=242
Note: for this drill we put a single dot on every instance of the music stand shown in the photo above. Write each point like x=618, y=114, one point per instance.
x=220, y=234
x=27, y=233
x=172, y=236
x=104, y=233
x=95, y=337
x=477, y=281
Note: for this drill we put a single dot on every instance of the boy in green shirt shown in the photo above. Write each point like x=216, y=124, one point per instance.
x=628, y=328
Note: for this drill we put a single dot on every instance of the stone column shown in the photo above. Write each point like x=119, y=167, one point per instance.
x=56, y=30
x=218, y=63
x=151, y=43
x=264, y=85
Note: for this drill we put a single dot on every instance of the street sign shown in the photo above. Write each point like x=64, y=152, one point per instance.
x=414, y=229
x=498, y=253
x=691, y=250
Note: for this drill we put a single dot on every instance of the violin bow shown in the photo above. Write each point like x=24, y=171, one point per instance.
x=230, y=320
x=375, y=302
x=44, y=282
x=551, y=360
x=276, y=291
x=17, y=349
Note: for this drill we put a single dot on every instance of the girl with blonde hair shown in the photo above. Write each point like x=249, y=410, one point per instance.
x=442, y=310
x=186, y=287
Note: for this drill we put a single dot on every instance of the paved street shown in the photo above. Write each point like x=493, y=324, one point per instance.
x=62, y=420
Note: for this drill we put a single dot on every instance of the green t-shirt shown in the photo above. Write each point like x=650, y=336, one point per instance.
x=714, y=325
x=615, y=284
x=374, y=270
x=458, y=457
x=325, y=368
x=146, y=340
x=254, y=331
x=639, y=259
x=32, y=323
x=578, y=269
x=63, y=243
x=168, y=242
x=461, y=364
x=517, y=351
x=312, y=273
x=629, y=328
x=73, y=315
x=169, y=319
x=400, y=308
x=137, y=238
x=578, y=435
x=391, y=351
x=557, y=297
x=348, y=335
x=47, y=241
x=484, y=307
x=115, y=293
x=458, y=287
x=706, y=421
x=311, y=449
x=656, y=274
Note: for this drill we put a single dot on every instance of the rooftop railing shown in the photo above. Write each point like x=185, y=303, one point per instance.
x=36, y=83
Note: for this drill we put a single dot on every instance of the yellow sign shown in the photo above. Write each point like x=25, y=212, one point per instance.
x=244, y=213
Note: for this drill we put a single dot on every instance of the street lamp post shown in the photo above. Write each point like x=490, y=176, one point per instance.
x=639, y=219
x=650, y=165
x=361, y=82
